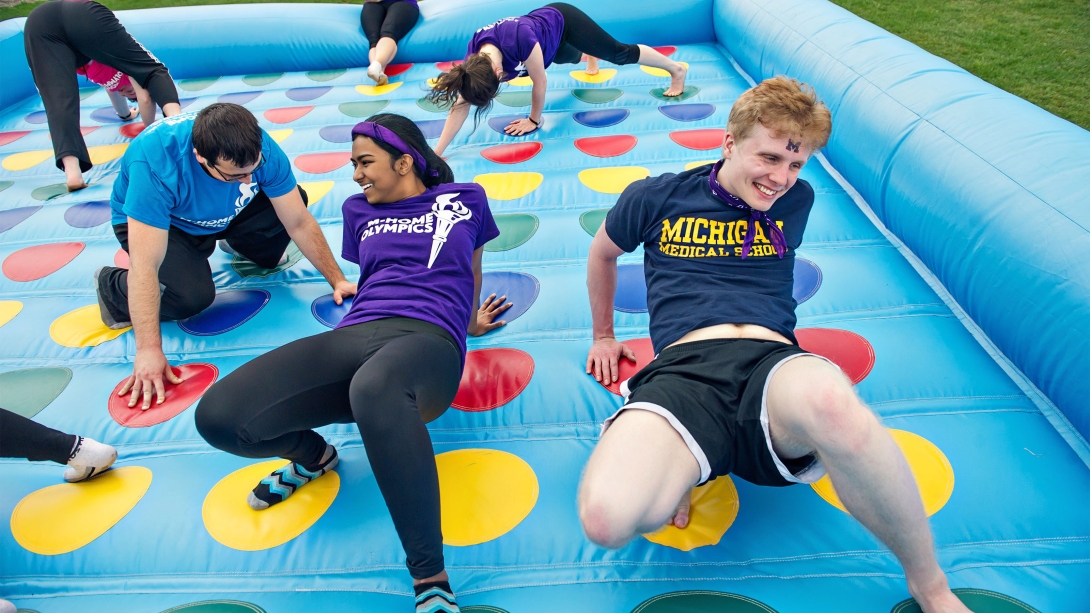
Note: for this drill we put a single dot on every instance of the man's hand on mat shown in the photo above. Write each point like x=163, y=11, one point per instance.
x=487, y=314
x=149, y=369
x=342, y=290
x=681, y=517
x=520, y=127
x=603, y=360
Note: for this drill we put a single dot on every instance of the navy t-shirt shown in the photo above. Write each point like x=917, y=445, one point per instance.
x=692, y=244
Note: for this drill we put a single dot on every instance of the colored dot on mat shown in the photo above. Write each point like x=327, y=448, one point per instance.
x=259, y=80
x=325, y=75
x=26, y=159
x=228, y=311
x=184, y=102
x=430, y=106
x=601, y=119
x=395, y=69
x=688, y=92
x=337, y=134
x=715, y=507
x=520, y=288
x=305, y=94
x=687, y=112
x=320, y=163
x=515, y=230
x=979, y=601
x=482, y=608
x=106, y=114
x=197, y=377
x=631, y=294
x=362, y=109
x=644, y=351
x=597, y=96
x=512, y=153
x=514, y=99
x=329, y=313
x=606, y=146
x=43, y=521
x=246, y=269
x=13, y=217
x=932, y=471
x=705, y=139
x=316, y=190
x=659, y=72
x=234, y=524
x=446, y=66
x=287, y=114
x=702, y=601
x=521, y=82
x=280, y=136
x=107, y=153
x=431, y=128
x=590, y=221
x=85, y=130
x=432, y=82
x=509, y=185
x=483, y=494
x=217, y=606
x=8, y=310
x=121, y=259
x=499, y=123
x=667, y=50
x=87, y=92
x=692, y=165
x=377, y=90
x=82, y=327
x=612, y=179
x=4, y=185
x=851, y=352
x=492, y=378
x=27, y=392
x=603, y=75
x=36, y=117
x=239, y=97
x=132, y=130
x=196, y=85
x=11, y=137
x=48, y=192
x=88, y=214
x=807, y=280
x=33, y=263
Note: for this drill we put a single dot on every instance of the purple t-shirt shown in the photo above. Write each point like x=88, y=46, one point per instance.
x=515, y=37
x=416, y=255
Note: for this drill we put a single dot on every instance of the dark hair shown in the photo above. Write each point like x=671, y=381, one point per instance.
x=473, y=79
x=227, y=131
x=411, y=134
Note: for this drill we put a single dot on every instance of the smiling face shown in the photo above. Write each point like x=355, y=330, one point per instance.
x=762, y=167
x=381, y=181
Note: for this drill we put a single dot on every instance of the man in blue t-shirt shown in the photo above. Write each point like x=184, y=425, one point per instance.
x=729, y=390
x=186, y=182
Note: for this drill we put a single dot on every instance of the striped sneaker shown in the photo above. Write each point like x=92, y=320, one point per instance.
x=435, y=597
x=285, y=480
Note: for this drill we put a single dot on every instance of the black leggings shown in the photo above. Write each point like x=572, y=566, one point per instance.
x=23, y=438
x=384, y=20
x=389, y=376
x=583, y=35
x=61, y=36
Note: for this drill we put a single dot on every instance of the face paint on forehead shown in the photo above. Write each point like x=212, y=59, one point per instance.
x=793, y=146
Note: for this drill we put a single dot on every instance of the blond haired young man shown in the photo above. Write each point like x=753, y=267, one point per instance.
x=730, y=391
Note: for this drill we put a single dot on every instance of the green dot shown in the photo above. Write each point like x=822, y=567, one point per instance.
x=245, y=268
x=46, y=192
x=515, y=230
x=25, y=611
x=482, y=608
x=688, y=92
x=27, y=392
x=978, y=601
x=6, y=184
x=257, y=80
x=592, y=220
x=196, y=85
x=430, y=106
x=217, y=606
x=514, y=99
x=597, y=96
x=702, y=602
x=362, y=109
x=325, y=75
x=87, y=92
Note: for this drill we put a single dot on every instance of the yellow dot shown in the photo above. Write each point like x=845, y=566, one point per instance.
x=692, y=165
x=612, y=180
x=82, y=328
x=509, y=185
x=27, y=159
x=659, y=72
x=484, y=494
x=377, y=90
x=316, y=190
x=521, y=82
x=231, y=521
x=280, y=135
x=8, y=310
x=933, y=473
x=715, y=506
x=62, y=518
x=603, y=75
x=432, y=82
x=105, y=153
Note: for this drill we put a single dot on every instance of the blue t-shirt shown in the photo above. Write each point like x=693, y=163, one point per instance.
x=692, y=262
x=162, y=184
x=515, y=37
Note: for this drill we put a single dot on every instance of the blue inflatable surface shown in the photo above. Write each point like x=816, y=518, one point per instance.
x=1008, y=492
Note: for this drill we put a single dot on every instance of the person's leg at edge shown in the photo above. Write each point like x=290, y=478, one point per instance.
x=399, y=19
x=636, y=478
x=812, y=408
x=24, y=438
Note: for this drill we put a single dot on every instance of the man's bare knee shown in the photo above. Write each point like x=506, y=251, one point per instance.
x=840, y=422
x=602, y=521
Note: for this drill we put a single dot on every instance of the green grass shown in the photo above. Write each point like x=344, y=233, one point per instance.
x=1038, y=50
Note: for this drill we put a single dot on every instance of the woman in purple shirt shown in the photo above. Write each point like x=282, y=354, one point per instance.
x=393, y=363
x=525, y=46
x=385, y=22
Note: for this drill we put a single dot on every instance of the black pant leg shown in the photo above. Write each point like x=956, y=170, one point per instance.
x=257, y=233
x=400, y=18
x=583, y=33
x=23, y=438
x=371, y=18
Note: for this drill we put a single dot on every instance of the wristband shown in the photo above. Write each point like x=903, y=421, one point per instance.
x=536, y=123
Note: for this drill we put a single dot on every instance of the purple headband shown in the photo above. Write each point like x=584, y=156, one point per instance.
x=383, y=134
x=779, y=243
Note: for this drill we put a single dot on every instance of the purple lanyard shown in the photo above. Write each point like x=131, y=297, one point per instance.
x=779, y=243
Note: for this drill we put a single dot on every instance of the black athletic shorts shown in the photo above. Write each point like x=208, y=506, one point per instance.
x=714, y=394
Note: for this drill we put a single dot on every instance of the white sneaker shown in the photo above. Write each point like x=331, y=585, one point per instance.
x=89, y=458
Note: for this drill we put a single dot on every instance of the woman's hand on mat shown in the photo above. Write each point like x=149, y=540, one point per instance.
x=149, y=369
x=681, y=516
x=520, y=127
x=487, y=314
x=603, y=360
x=342, y=290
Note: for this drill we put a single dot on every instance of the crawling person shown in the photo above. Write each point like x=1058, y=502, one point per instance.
x=730, y=390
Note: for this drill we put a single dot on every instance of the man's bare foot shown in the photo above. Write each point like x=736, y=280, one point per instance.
x=677, y=80
x=76, y=184
x=937, y=598
x=592, y=65
x=681, y=516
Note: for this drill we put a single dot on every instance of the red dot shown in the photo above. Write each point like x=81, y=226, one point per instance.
x=197, y=379
x=287, y=114
x=395, y=69
x=318, y=163
x=644, y=354
x=709, y=138
x=121, y=259
x=492, y=378
x=851, y=352
x=85, y=130
x=606, y=146
x=33, y=263
x=514, y=153
x=665, y=50
x=446, y=66
x=130, y=130
x=11, y=137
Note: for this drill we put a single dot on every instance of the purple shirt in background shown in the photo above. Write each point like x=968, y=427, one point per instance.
x=416, y=256
x=515, y=37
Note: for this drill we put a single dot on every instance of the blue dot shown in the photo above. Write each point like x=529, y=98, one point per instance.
x=329, y=313
x=521, y=290
x=302, y=94
x=337, y=134
x=88, y=214
x=228, y=311
x=36, y=117
x=431, y=128
x=687, y=112
x=499, y=123
x=601, y=119
x=13, y=217
x=631, y=289
x=239, y=97
x=106, y=114
x=807, y=280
